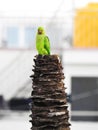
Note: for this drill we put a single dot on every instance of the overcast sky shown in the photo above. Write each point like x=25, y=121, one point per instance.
x=37, y=8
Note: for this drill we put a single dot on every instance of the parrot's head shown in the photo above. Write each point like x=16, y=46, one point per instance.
x=41, y=30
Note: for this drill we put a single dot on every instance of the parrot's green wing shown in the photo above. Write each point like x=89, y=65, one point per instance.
x=47, y=44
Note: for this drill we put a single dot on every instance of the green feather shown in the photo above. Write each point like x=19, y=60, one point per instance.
x=47, y=44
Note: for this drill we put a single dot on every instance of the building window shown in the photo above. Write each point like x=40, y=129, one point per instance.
x=12, y=36
x=30, y=33
x=84, y=98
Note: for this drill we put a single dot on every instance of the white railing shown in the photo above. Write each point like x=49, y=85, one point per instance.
x=16, y=75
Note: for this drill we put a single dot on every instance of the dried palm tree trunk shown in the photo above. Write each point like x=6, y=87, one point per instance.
x=48, y=107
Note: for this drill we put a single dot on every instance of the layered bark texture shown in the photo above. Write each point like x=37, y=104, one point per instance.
x=49, y=103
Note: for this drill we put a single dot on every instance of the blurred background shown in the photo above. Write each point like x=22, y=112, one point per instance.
x=72, y=27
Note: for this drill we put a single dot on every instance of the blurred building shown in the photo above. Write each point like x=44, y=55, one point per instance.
x=86, y=26
x=17, y=50
x=20, y=32
x=16, y=32
x=73, y=37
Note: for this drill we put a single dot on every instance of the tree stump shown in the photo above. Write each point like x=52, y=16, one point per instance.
x=49, y=103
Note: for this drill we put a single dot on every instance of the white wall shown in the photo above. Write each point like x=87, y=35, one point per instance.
x=81, y=63
x=7, y=56
x=15, y=69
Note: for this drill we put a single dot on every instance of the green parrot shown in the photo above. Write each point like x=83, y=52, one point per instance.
x=42, y=42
